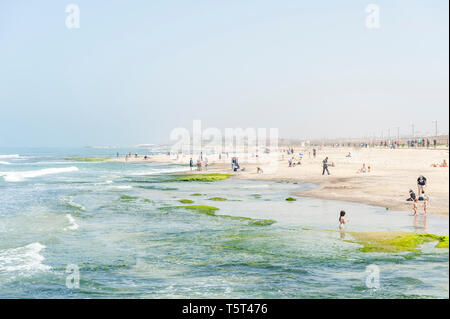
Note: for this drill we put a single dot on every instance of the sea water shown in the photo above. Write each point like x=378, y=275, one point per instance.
x=118, y=224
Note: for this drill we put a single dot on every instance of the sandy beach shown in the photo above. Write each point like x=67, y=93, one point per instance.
x=393, y=173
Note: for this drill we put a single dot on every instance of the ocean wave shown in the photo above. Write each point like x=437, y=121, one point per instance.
x=160, y=171
x=120, y=187
x=256, y=186
x=26, y=259
x=4, y=163
x=73, y=224
x=103, y=183
x=18, y=176
x=10, y=156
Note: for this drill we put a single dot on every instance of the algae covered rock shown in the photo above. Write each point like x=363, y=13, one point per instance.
x=186, y=201
x=127, y=198
x=218, y=199
x=395, y=241
x=209, y=210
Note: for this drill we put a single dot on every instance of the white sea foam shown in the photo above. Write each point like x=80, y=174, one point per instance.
x=161, y=171
x=26, y=259
x=18, y=176
x=73, y=224
x=256, y=186
x=121, y=187
x=10, y=156
x=71, y=203
x=4, y=163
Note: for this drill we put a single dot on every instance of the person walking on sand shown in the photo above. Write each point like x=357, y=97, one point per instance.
x=421, y=183
x=325, y=166
x=191, y=163
x=206, y=163
x=342, y=220
x=314, y=153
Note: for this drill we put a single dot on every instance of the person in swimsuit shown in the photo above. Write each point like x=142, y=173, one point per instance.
x=342, y=220
x=423, y=197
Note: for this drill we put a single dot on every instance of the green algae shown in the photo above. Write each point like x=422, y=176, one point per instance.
x=395, y=241
x=218, y=199
x=210, y=177
x=204, y=209
x=186, y=201
x=86, y=159
x=256, y=196
x=290, y=199
x=127, y=198
x=262, y=222
x=196, y=194
x=211, y=211
x=442, y=240
x=251, y=221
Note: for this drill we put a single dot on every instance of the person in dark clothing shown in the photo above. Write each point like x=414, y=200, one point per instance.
x=314, y=152
x=191, y=163
x=421, y=183
x=412, y=196
x=325, y=166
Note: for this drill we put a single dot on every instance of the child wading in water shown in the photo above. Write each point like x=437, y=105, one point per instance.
x=342, y=220
x=423, y=198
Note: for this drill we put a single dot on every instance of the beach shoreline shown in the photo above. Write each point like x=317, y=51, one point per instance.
x=393, y=173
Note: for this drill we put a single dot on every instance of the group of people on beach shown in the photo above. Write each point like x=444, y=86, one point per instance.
x=363, y=169
x=292, y=162
x=443, y=164
x=235, y=164
x=421, y=196
x=130, y=155
x=200, y=163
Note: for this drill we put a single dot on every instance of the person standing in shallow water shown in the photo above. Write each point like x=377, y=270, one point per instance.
x=342, y=220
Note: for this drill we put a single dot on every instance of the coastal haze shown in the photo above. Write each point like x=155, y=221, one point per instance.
x=129, y=73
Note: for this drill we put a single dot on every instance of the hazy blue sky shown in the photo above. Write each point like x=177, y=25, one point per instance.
x=134, y=70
